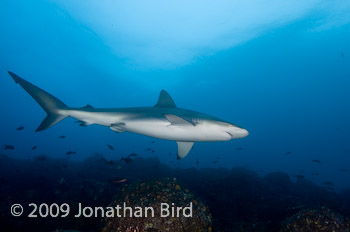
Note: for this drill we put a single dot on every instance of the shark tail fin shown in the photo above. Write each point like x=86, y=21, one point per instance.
x=52, y=106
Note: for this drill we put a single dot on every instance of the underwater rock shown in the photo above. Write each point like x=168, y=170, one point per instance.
x=153, y=193
x=314, y=220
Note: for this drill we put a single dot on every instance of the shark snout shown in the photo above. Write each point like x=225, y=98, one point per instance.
x=243, y=133
x=237, y=132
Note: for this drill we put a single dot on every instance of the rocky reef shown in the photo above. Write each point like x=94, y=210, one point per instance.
x=315, y=220
x=153, y=193
x=236, y=199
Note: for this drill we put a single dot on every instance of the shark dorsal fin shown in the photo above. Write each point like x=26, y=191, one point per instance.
x=165, y=100
x=183, y=148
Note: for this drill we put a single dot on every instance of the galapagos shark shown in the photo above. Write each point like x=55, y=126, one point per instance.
x=164, y=120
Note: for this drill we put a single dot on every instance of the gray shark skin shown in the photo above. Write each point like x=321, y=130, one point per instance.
x=163, y=121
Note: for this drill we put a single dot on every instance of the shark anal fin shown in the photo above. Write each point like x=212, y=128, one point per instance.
x=83, y=123
x=176, y=120
x=117, y=127
x=183, y=148
x=165, y=100
x=87, y=107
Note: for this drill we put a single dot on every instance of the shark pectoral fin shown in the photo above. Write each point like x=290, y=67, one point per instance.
x=117, y=127
x=176, y=120
x=183, y=148
x=165, y=100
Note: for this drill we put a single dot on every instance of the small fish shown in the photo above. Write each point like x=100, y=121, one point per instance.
x=344, y=170
x=71, y=152
x=316, y=161
x=328, y=183
x=288, y=153
x=170, y=153
x=152, y=151
x=20, y=128
x=214, y=162
x=197, y=162
x=8, y=147
x=315, y=174
x=62, y=136
x=342, y=54
x=239, y=148
x=148, y=149
x=119, y=167
x=133, y=155
x=110, y=147
x=35, y=147
x=119, y=181
x=42, y=157
x=107, y=161
x=127, y=160
x=153, y=141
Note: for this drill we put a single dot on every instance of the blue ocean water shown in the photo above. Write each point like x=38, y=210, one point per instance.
x=284, y=77
x=288, y=86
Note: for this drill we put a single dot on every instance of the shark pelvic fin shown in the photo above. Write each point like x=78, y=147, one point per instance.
x=183, y=148
x=165, y=100
x=176, y=120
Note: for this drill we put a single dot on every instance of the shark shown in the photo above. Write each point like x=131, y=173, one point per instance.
x=164, y=120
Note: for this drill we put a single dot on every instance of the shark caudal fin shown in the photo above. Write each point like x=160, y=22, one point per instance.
x=52, y=106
